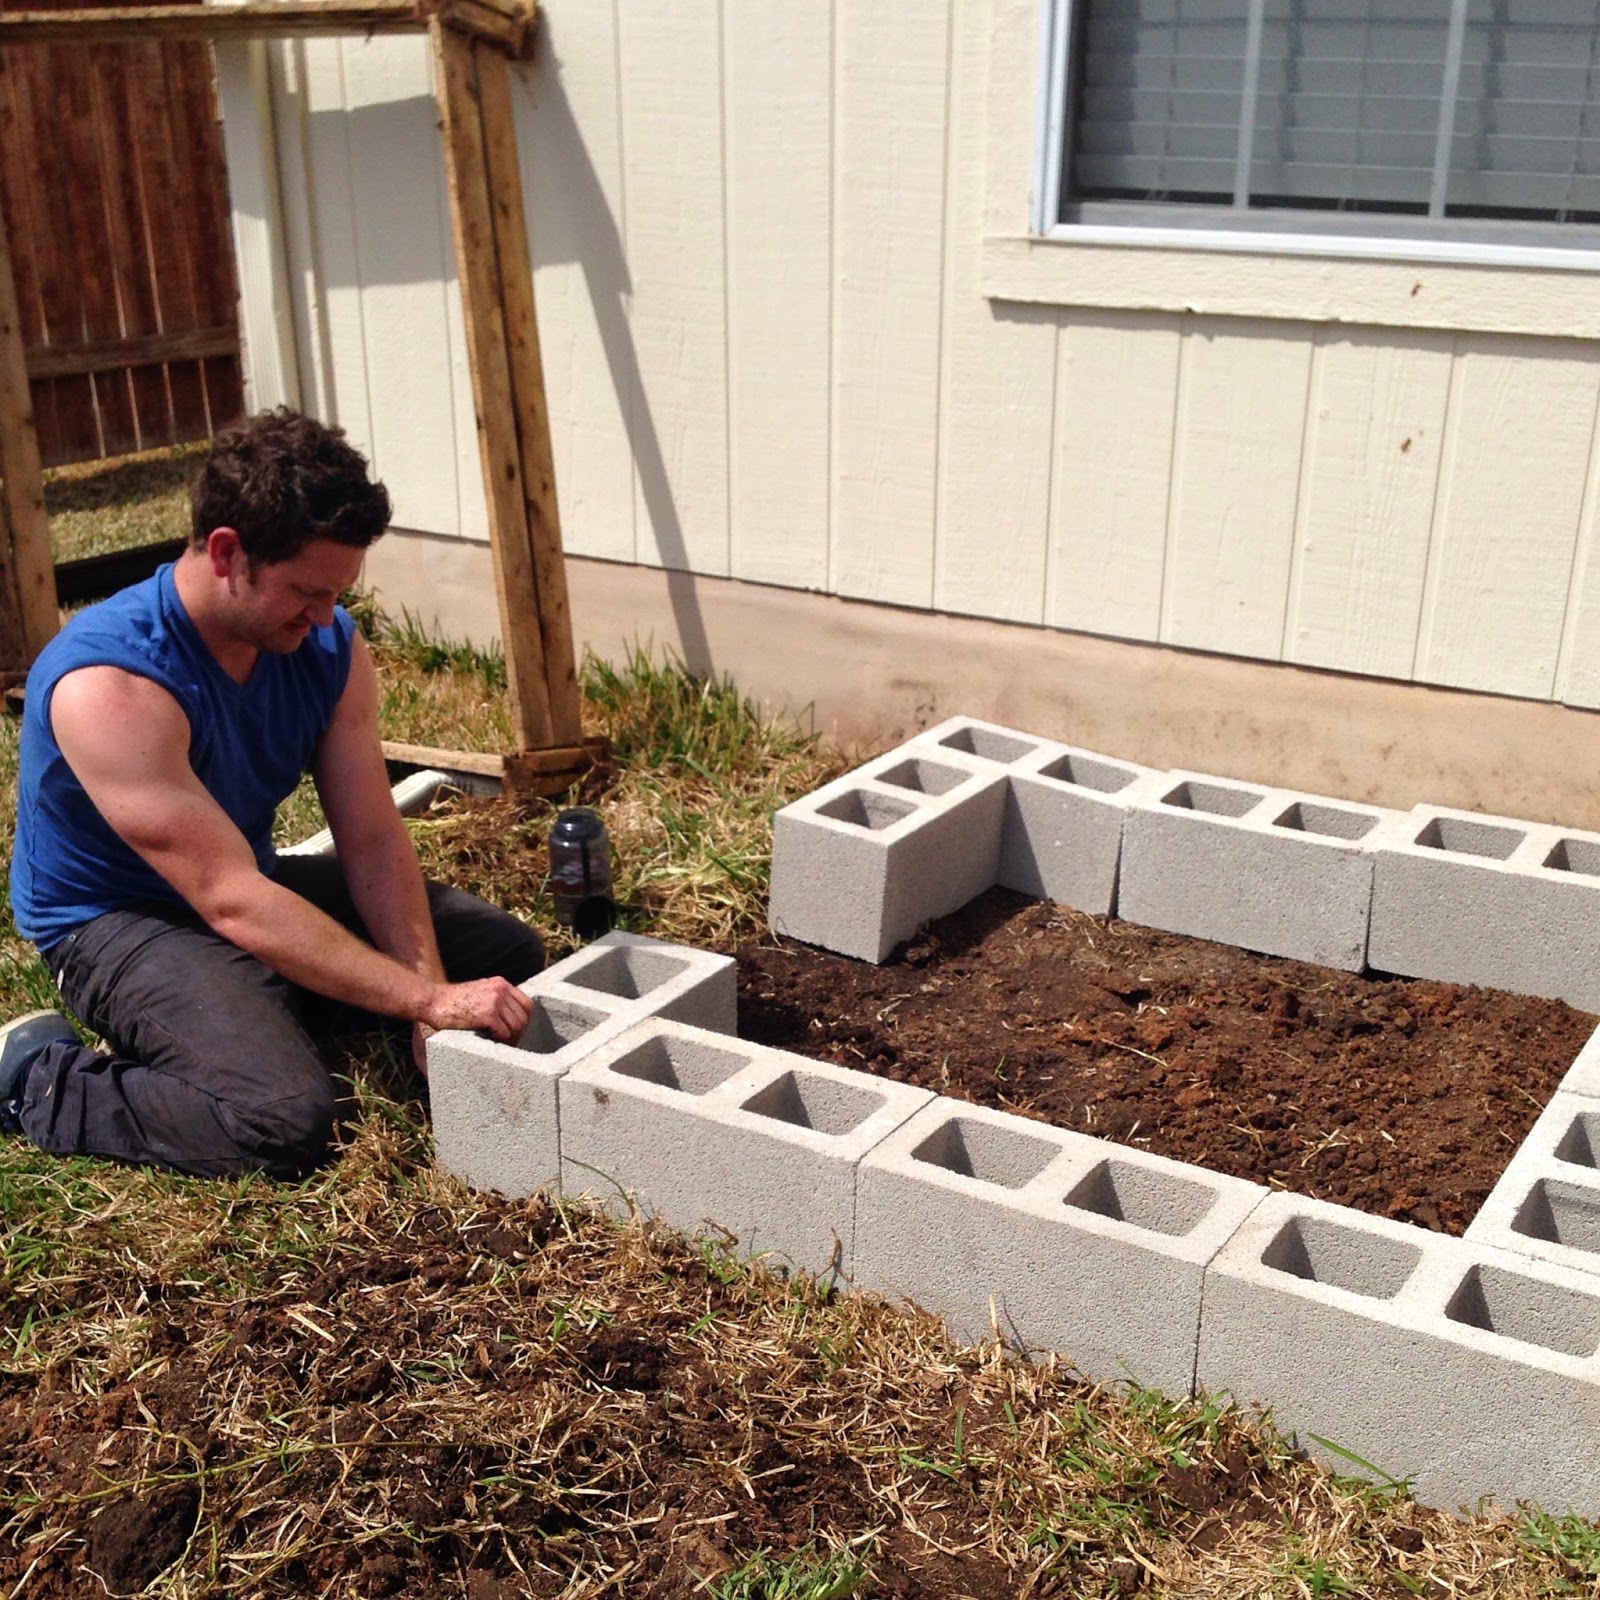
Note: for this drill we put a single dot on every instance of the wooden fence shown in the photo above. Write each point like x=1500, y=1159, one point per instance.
x=114, y=195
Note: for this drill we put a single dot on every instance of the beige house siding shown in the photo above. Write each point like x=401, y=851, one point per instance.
x=795, y=333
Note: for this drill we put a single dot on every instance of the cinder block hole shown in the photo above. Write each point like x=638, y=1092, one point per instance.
x=926, y=777
x=1545, y=1314
x=1560, y=1213
x=981, y=1150
x=1336, y=823
x=1580, y=1144
x=555, y=1024
x=809, y=1100
x=1211, y=798
x=861, y=808
x=627, y=971
x=1321, y=1251
x=1087, y=774
x=1470, y=838
x=683, y=1064
x=1575, y=855
x=987, y=743
x=1148, y=1199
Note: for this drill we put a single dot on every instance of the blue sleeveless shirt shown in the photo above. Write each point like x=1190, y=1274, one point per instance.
x=249, y=744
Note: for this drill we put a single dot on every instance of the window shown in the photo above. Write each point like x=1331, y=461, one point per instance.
x=1469, y=128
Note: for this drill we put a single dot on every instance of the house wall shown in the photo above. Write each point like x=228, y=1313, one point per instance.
x=795, y=333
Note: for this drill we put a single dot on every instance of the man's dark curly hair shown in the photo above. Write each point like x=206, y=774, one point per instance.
x=282, y=480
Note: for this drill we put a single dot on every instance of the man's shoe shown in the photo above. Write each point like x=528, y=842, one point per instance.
x=22, y=1041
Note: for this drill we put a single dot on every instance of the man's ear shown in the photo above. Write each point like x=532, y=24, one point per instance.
x=223, y=548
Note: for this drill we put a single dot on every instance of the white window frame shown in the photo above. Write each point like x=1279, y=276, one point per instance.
x=1275, y=232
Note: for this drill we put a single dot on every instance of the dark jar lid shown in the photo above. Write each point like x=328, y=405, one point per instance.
x=578, y=825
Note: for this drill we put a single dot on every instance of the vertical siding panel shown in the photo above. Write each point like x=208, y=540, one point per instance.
x=266, y=315
x=996, y=387
x=472, y=503
x=892, y=70
x=286, y=77
x=1511, y=496
x=1578, y=671
x=672, y=132
x=1236, y=471
x=332, y=262
x=569, y=115
x=1116, y=397
x=402, y=263
x=779, y=88
x=1370, y=473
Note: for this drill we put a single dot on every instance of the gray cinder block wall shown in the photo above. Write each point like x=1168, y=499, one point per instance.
x=1547, y=1202
x=1460, y=1368
x=494, y=1106
x=1047, y=1239
x=1488, y=900
x=707, y=1132
x=862, y=863
x=1265, y=869
x=1457, y=1365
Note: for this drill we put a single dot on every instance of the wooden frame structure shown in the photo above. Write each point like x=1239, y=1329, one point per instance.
x=473, y=42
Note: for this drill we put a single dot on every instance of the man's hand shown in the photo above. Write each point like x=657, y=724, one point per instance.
x=493, y=1004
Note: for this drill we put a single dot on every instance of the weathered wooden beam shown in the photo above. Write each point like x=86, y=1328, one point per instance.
x=110, y=355
x=508, y=392
x=427, y=755
x=531, y=407
x=29, y=613
x=506, y=23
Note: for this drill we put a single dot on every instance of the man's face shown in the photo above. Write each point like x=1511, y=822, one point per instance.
x=275, y=606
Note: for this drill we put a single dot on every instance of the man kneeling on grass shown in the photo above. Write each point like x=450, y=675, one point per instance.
x=162, y=729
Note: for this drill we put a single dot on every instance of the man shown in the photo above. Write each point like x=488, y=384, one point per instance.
x=162, y=728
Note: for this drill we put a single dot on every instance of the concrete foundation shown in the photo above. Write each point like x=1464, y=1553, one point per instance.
x=874, y=675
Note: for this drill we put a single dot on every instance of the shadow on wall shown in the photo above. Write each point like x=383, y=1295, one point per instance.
x=568, y=221
x=571, y=221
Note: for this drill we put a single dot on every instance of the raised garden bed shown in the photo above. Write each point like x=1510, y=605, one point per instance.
x=1400, y=1097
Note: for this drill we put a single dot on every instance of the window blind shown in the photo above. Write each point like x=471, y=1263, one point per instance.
x=1443, y=108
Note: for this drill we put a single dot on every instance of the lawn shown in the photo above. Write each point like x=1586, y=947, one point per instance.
x=379, y=1383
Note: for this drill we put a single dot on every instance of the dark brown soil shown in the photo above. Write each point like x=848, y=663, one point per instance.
x=1399, y=1097
x=505, y=1403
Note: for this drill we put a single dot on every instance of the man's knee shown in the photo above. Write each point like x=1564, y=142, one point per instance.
x=479, y=940
x=291, y=1136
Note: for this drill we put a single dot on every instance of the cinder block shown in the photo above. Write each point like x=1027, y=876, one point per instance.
x=494, y=1105
x=1467, y=1370
x=1583, y=1076
x=1488, y=900
x=1547, y=1202
x=1062, y=835
x=705, y=1131
x=673, y=981
x=862, y=863
x=1048, y=1238
x=1000, y=748
x=1266, y=869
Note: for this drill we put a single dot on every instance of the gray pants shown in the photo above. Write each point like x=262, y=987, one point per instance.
x=219, y=1064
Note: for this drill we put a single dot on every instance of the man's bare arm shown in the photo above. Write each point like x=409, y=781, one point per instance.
x=127, y=741
x=375, y=850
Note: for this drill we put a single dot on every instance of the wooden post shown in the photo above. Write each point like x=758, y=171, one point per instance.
x=496, y=276
x=29, y=614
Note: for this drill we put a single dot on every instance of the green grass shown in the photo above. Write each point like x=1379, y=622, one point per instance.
x=99, y=506
x=809, y=1574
